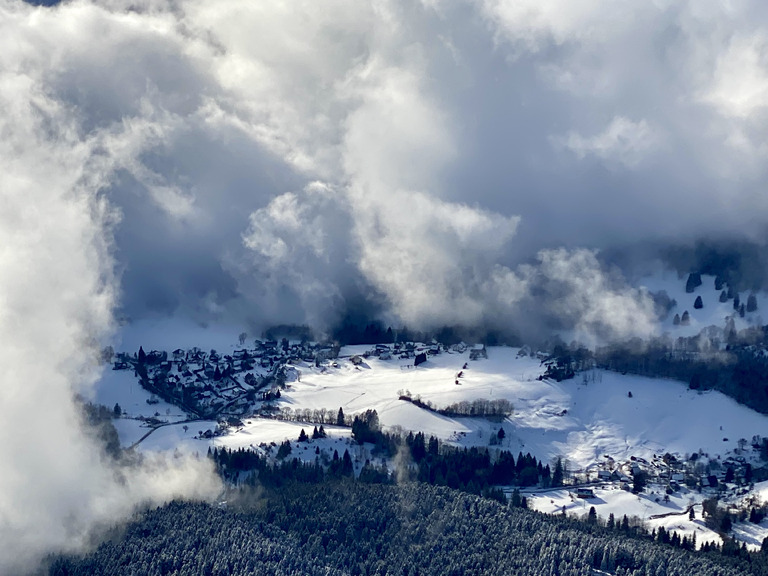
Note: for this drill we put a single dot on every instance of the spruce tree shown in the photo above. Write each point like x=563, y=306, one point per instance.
x=719, y=282
x=694, y=281
x=625, y=523
x=557, y=475
x=698, y=304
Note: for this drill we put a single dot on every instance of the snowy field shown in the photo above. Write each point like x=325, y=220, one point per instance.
x=580, y=419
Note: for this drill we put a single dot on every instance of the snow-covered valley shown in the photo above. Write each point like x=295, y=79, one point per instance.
x=598, y=420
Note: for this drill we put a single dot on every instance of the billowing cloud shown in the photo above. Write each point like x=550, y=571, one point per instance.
x=57, y=293
x=298, y=246
x=437, y=126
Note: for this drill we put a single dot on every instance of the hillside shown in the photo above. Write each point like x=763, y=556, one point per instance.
x=599, y=420
x=415, y=529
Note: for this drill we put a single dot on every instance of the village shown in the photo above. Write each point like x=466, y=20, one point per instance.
x=211, y=385
x=214, y=386
x=729, y=477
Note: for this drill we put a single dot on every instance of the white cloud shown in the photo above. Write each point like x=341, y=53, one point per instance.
x=533, y=24
x=57, y=292
x=622, y=141
x=739, y=82
x=298, y=245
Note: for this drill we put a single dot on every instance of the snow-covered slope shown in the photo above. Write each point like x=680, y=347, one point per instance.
x=713, y=312
x=579, y=419
x=582, y=420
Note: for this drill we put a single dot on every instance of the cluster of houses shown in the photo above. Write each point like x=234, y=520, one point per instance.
x=212, y=385
x=729, y=476
x=420, y=352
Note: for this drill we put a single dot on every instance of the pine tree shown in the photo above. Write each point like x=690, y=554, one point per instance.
x=592, y=516
x=557, y=475
x=691, y=514
x=639, y=481
x=751, y=303
x=676, y=320
x=723, y=296
x=719, y=282
x=694, y=281
x=303, y=436
x=685, y=320
x=142, y=355
x=698, y=304
x=347, y=469
x=284, y=450
x=340, y=417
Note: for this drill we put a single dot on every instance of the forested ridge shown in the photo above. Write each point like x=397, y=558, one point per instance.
x=345, y=527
